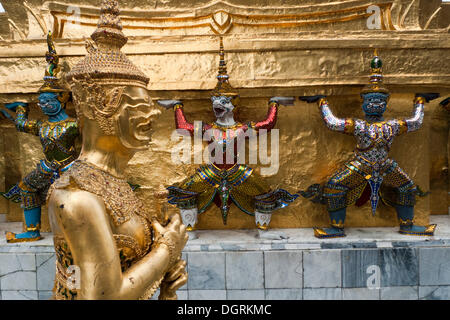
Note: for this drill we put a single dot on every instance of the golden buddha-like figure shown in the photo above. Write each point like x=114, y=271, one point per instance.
x=103, y=236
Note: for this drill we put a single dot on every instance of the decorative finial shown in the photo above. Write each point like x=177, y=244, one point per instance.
x=104, y=61
x=376, y=76
x=223, y=87
x=51, y=81
x=223, y=75
x=109, y=26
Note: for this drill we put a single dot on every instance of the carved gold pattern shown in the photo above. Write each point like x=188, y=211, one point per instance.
x=167, y=241
x=120, y=200
x=128, y=250
x=96, y=103
x=221, y=16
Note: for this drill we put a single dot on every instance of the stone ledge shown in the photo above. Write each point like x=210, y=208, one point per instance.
x=299, y=239
x=235, y=264
x=303, y=239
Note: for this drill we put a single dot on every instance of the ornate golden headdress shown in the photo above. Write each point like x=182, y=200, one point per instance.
x=376, y=76
x=223, y=86
x=104, y=62
x=51, y=81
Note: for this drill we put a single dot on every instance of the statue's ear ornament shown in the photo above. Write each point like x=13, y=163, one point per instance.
x=97, y=103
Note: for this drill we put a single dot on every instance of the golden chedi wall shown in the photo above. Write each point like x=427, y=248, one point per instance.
x=288, y=48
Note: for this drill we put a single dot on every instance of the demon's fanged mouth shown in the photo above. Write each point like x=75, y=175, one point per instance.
x=219, y=110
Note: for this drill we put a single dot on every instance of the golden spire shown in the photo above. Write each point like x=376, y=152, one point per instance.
x=109, y=26
x=222, y=76
x=223, y=87
x=104, y=62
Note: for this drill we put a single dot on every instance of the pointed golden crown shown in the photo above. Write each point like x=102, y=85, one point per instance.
x=104, y=62
x=376, y=76
x=51, y=81
x=223, y=86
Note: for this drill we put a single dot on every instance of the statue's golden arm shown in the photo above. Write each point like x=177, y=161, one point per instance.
x=85, y=224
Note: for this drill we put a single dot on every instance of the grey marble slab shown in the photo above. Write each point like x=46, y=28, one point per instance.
x=392, y=266
x=360, y=294
x=399, y=293
x=184, y=256
x=19, y=295
x=46, y=268
x=399, y=267
x=18, y=281
x=250, y=264
x=434, y=292
x=348, y=245
x=322, y=269
x=244, y=270
x=284, y=294
x=246, y=294
x=206, y=270
x=207, y=294
x=322, y=294
x=12, y=262
x=283, y=269
x=182, y=295
x=434, y=266
x=45, y=295
x=356, y=267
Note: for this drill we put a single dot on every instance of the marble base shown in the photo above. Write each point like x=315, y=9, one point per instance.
x=370, y=263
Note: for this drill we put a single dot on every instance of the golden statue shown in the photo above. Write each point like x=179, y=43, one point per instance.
x=107, y=245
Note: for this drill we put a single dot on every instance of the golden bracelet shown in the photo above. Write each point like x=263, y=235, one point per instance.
x=420, y=100
x=273, y=104
x=173, y=257
x=322, y=101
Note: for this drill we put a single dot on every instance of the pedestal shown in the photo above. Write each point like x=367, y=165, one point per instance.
x=370, y=263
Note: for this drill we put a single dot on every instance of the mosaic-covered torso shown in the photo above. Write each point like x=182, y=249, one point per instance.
x=57, y=138
x=374, y=140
